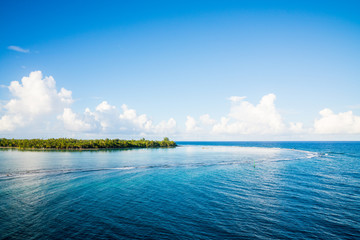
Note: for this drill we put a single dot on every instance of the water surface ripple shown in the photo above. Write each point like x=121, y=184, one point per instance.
x=208, y=190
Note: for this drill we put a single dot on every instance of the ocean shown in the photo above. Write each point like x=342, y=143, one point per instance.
x=198, y=190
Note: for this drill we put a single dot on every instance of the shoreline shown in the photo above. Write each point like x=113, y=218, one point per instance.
x=82, y=144
x=78, y=149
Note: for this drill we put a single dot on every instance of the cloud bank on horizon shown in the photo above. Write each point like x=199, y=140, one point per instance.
x=37, y=107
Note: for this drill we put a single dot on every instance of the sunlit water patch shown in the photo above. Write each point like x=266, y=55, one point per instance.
x=24, y=163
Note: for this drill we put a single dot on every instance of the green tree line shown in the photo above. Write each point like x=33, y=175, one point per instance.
x=70, y=143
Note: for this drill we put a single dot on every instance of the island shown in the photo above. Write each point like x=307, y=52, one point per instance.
x=82, y=144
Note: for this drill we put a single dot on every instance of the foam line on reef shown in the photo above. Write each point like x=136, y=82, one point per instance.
x=210, y=147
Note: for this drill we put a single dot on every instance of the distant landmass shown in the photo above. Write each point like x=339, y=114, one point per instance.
x=80, y=144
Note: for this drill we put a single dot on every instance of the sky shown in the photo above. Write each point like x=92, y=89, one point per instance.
x=188, y=70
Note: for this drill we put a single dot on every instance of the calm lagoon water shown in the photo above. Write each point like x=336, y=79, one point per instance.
x=199, y=190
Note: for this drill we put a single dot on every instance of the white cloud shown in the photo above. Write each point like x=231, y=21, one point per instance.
x=18, y=49
x=65, y=96
x=106, y=116
x=166, y=127
x=36, y=105
x=10, y=122
x=142, y=124
x=104, y=107
x=33, y=98
x=246, y=118
x=191, y=124
x=72, y=122
x=107, y=119
x=341, y=123
x=138, y=123
x=201, y=127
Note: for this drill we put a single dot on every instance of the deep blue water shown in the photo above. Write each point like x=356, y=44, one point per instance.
x=201, y=190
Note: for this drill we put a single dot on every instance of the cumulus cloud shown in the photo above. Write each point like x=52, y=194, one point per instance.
x=108, y=119
x=246, y=118
x=36, y=103
x=142, y=123
x=166, y=127
x=201, y=126
x=136, y=122
x=73, y=122
x=191, y=124
x=331, y=123
x=10, y=122
x=65, y=96
x=18, y=49
x=33, y=98
x=104, y=107
x=105, y=116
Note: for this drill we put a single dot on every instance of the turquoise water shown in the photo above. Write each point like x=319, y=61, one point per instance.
x=201, y=190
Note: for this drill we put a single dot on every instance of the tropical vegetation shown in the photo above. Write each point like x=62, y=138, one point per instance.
x=79, y=144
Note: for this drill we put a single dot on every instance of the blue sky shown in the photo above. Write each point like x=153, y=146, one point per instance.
x=176, y=62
